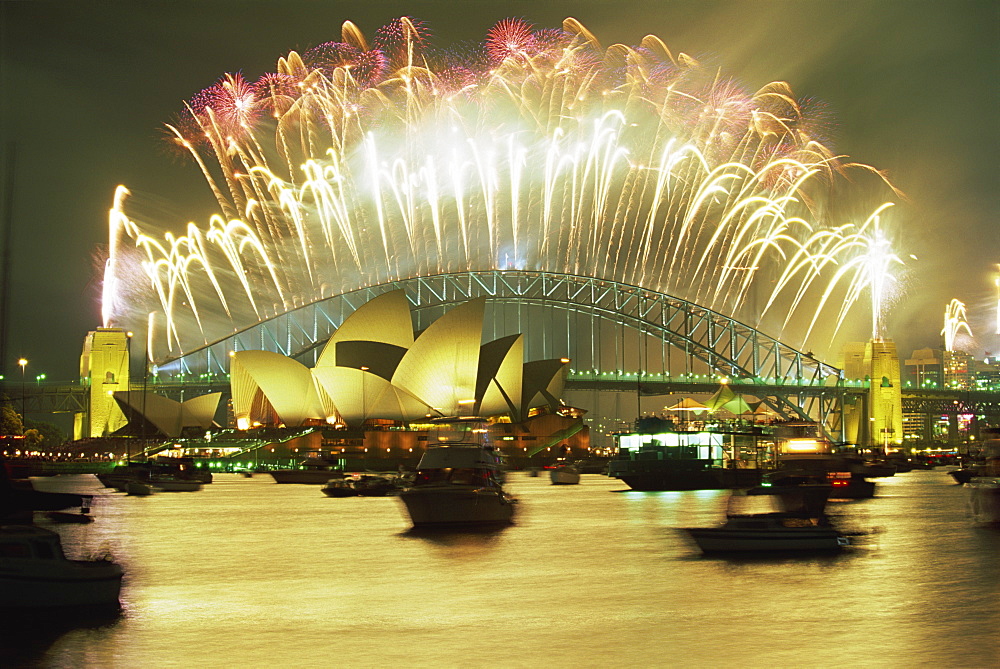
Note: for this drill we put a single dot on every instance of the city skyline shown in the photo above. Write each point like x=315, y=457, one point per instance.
x=130, y=152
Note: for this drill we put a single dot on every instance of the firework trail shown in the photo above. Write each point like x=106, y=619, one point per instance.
x=356, y=163
x=954, y=323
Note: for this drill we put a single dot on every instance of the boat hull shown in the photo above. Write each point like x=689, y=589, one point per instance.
x=681, y=475
x=724, y=540
x=449, y=507
x=564, y=476
x=82, y=584
x=307, y=476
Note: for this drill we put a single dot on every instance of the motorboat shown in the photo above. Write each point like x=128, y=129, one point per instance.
x=770, y=531
x=459, y=480
x=35, y=573
x=369, y=485
x=339, y=488
x=314, y=470
x=564, y=473
x=847, y=483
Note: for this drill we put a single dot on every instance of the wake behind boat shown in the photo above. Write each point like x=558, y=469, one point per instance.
x=459, y=481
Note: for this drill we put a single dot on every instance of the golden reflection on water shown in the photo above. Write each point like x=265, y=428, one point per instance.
x=248, y=572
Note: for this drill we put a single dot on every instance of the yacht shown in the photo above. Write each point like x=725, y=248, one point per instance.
x=35, y=574
x=459, y=480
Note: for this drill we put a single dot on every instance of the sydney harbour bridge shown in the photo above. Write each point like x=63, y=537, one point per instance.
x=621, y=207
x=621, y=339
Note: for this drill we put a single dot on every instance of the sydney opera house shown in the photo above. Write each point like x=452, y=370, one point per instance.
x=378, y=379
x=375, y=367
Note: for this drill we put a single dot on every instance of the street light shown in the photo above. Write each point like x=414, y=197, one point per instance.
x=23, y=362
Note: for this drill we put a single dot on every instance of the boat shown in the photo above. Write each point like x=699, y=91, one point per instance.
x=339, y=488
x=459, y=480
x=965, y=474
x=162, y=468
x=564, y=473
x=771, y=531
x=35, y=573
x=369, y=485
x=138, y=489
x=19, y=500
x=984, y=499
x=314, y=470
x=667, y=458
x=845, y=484
x=984, y=488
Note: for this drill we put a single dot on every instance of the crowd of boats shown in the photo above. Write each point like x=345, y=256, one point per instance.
x=459, y=483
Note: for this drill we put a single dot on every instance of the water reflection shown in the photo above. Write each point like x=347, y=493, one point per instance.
x=254, y=573
x=26, y=636
x=466, y=537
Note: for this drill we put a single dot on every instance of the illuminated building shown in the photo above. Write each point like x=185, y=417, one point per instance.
x=957, y=369
x=153, y=415
x=374, y=368
x=926, y=369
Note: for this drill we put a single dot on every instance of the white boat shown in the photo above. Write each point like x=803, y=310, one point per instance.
x=768, y=532
x=35, y=574
x=564, y=474
x=459, y=480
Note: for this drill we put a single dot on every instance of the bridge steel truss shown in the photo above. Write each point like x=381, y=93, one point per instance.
x=693, y=339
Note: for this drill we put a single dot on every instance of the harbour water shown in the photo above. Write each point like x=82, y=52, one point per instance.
x=250, y=573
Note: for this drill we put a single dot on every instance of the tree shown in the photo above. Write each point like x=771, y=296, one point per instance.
x=32, y=439
x=10, y=421
x=50, y=436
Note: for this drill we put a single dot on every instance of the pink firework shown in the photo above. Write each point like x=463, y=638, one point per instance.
x=276, y=92
x=233, y=102
x=402, y=39
x=331, y=55
x=509, y=38
x=370, y=67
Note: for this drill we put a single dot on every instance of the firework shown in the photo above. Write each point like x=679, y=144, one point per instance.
x=954, y=323
x=359, y=163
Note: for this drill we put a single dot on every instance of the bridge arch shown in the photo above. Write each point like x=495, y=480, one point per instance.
x=620, y=337
x=700, y=341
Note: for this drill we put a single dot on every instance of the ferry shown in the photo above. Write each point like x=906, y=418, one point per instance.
x=714, y=456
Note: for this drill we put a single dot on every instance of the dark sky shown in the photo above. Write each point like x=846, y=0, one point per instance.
x=911, y=86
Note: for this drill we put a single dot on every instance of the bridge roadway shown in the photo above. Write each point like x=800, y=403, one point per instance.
x=56, y=397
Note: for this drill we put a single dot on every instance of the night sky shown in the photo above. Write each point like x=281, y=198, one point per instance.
x=911, y=87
